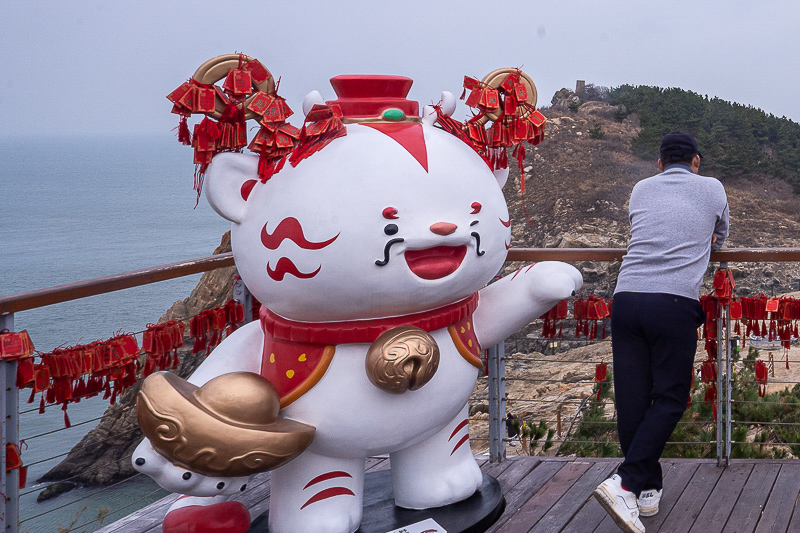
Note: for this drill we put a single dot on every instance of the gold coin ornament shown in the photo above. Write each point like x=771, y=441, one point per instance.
x=403, y=358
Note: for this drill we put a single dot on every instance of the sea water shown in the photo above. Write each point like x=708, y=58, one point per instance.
x=78, y=208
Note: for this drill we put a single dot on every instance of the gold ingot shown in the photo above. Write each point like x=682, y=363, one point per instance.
x=496, y=78
x=402, y=358
x=227, y=427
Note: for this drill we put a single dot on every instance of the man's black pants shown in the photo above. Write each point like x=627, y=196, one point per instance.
x=654, y=339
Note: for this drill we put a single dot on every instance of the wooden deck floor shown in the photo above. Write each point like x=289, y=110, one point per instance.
x=551, y=495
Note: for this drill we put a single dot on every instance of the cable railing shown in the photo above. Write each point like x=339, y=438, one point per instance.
x=516, y=412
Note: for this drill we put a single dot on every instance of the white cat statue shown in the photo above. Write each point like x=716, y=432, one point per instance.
x=372, y=255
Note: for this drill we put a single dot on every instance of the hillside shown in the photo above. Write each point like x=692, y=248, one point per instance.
x=577, y=189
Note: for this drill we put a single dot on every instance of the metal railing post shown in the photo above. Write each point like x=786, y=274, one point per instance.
x=242, y=295
x=721, y=438
x=728, y=377
x=497, y=403
x=10, y=435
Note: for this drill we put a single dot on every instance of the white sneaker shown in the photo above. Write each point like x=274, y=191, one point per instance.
x=620, y=504
x=648, y=502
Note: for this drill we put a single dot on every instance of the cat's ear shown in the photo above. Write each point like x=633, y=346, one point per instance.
x=228, y=181
x=501, y=175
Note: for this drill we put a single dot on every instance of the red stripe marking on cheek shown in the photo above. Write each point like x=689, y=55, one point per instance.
x=290, y=228
x=328, y=493
x=285, y=266
x=326, y=477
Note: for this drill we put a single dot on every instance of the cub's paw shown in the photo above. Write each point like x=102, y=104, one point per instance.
x=170, y=477
x=554, y=280
x=436, y=487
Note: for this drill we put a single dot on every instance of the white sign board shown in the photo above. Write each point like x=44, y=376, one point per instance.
x=426, y=526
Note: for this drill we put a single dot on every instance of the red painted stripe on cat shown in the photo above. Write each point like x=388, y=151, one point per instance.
x=464, y=439
x=408, y=135
x=459, y=428
x=285, y=266
x=290, y=228
x=328, y=493
x=326, y=477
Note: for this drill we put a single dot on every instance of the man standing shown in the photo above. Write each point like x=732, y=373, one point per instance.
x=676, y=218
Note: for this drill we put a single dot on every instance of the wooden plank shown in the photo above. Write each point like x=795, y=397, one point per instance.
x=794, y=524
x=780, y=504
x=526, y=486
x=694, y=497
x=496, y=469
x=516, y=472
x=509, y=473
x=540, y=503
x=750, y=504
x=573, y=500
x=720, y=503
x=679, y=475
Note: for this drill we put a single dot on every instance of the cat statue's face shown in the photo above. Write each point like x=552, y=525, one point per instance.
x=373, y=225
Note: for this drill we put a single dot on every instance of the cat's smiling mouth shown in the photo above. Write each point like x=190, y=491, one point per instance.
x=436, y=262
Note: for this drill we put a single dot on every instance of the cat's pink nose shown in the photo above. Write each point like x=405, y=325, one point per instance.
x=443, y=228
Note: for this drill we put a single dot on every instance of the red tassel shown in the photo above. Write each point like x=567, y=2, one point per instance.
x=184, y=135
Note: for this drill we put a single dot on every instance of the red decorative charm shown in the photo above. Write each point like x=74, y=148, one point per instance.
x=587, y=313
x=160, y=345
x=708, y=375
x=323, y=124
x=15, y=345
x=600, y=374
x=761, y=372
x=554, y=316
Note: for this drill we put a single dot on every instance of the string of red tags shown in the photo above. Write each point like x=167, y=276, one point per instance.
x=69, y=374
x=206, y=328
x=600, y=374
x=769, y=318
x=591, y=314
x=15, y=347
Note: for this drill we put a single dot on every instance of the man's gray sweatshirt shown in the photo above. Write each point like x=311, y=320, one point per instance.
x=673, y=216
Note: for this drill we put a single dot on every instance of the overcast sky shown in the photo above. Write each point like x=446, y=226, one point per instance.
x=95, y=66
